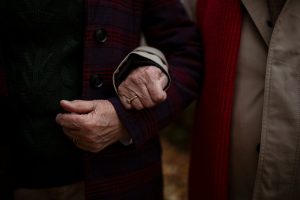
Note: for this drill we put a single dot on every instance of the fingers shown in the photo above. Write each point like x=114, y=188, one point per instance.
x=131, y=99
x=87, y=142
x=81, y=130
x=70, y=120
x=77, y=106
x=76, y=118
x=156, y=89
x=77, y=128
x=95, y=130
x=147, y=83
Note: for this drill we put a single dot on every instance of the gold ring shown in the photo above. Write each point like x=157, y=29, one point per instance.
x=129, y=100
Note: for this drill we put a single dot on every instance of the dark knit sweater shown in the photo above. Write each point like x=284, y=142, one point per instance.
x=42, y=54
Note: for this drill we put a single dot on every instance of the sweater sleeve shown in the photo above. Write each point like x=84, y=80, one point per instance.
x=167, y=27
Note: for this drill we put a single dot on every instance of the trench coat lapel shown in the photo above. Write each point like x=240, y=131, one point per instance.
x=259, y=12
x=278, y=168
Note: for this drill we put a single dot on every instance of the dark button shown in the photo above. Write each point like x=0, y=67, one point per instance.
x=270, y=24
x=96, y=81
x=258, y=148
x=101, y=35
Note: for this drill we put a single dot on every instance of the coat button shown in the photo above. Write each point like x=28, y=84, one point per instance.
x=100, y=35
x=270, y=24
x=258, y=148
x=96, y=81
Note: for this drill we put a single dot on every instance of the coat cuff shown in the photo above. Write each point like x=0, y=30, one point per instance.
x=141, y=56
x=138, y=123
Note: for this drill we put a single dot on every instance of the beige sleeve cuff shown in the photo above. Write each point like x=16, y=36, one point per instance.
x=147, y=52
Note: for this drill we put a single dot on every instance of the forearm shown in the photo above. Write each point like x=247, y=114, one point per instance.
x=179, y=40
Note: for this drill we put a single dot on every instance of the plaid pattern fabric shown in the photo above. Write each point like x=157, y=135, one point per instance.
x=134, y=172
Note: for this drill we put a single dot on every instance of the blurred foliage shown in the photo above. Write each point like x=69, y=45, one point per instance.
x=178, y=132
x=175, y=142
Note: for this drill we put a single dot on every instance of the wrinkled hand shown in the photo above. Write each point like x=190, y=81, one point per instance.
x=143, y=88
x=92, y=125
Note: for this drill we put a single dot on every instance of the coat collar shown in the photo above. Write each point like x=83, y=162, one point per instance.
x=259, y=12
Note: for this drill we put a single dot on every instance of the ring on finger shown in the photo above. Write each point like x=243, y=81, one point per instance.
x=129, y=100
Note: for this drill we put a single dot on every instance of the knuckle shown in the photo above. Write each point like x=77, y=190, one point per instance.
x=135, y=76
x=121, y=87
x=160, y=97
x=139, y=107
x=151, y=70
x=127, y=106
x=137, y=80
x=148, y=104
x=125, y=84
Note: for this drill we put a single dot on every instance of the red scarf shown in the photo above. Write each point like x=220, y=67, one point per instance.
x=220, y=25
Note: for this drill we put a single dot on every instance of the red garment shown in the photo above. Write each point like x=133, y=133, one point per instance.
x=220, y=24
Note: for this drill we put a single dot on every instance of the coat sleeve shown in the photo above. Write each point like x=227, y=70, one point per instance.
x=167, y=27
x=141, y=56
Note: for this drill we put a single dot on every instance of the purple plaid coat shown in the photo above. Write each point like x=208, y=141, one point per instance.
x=113, y=29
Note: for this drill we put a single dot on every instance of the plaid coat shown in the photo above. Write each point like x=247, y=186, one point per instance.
x=112, y=29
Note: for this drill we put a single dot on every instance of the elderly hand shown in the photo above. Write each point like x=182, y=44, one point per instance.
x=143, y=88
x=92, y=125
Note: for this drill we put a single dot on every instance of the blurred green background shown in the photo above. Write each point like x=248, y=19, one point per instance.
x=175, y=142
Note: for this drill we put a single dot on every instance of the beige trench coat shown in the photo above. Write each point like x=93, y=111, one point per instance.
x=278, y=168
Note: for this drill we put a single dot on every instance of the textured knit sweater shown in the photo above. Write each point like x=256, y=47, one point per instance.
x=43, y=60
x=220, y=24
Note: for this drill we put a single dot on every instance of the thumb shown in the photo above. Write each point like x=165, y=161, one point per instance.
x=77, y=106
